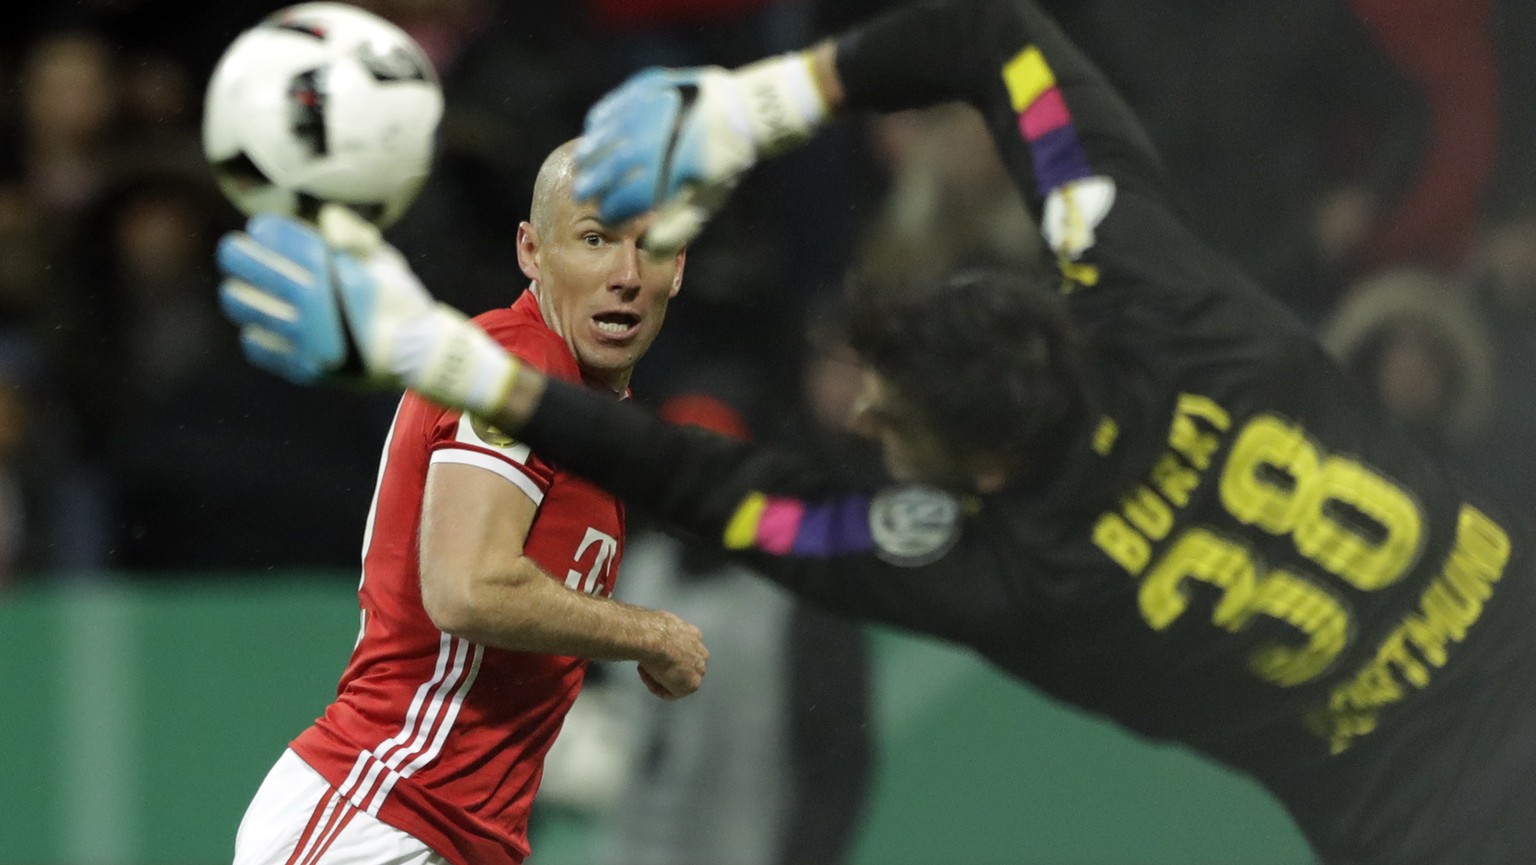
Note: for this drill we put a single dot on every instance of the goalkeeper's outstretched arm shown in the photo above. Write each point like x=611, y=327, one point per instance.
x=677, y=141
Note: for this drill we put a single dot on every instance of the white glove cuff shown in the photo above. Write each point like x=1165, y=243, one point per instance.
x=784, y=103
x=445, y=358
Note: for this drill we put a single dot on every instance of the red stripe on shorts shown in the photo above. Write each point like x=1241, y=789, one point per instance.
x=331, y=815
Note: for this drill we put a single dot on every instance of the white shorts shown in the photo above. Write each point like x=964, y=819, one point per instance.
x=298, y=819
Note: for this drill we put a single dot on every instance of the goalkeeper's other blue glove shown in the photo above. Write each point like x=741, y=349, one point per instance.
x=677, y=141
x=340, y=304
x=279, y=291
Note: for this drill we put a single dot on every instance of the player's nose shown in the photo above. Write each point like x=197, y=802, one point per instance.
x=624, y=277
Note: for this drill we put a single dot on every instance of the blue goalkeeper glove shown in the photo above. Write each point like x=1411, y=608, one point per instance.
x=677, y=141
x=339, y=304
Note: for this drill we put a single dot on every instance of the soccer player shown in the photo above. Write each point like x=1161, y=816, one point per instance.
x=1145, y=489
x=486, y=581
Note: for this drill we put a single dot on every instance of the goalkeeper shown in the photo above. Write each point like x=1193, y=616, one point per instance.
x=1132, y=480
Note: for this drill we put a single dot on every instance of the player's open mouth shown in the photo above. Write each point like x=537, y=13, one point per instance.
x=616, y=325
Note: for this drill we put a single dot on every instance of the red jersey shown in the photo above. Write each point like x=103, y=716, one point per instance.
x=430, y=733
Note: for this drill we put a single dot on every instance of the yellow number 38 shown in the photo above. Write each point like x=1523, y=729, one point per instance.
x=1342, y=516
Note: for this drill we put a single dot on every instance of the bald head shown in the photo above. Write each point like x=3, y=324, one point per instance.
x=552, y=187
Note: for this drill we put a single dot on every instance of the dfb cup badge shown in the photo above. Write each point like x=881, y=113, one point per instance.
x=913, y=524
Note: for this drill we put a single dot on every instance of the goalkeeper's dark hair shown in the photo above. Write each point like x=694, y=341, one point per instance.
x=989, y=358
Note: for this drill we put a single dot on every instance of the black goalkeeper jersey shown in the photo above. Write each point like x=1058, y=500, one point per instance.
x=1239, y=553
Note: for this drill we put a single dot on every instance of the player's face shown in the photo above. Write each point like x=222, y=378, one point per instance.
x=911, y=450
x=603, y=294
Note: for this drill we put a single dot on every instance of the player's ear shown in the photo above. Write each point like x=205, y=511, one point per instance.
x=677, y=275
x=528, y=250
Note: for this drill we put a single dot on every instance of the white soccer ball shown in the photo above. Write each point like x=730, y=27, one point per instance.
x=322, y=102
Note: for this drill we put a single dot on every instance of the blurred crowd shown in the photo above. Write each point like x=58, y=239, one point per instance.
x=1370, y=162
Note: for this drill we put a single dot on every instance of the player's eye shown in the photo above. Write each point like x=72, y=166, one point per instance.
x=592, y=239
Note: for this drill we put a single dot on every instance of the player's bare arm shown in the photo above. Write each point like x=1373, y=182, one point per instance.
x=477, y=584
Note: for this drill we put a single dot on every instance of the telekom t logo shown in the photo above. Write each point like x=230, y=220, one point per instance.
x=601, y=572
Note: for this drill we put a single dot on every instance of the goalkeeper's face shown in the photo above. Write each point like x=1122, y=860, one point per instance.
x=912, y=450
x=598, y=289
